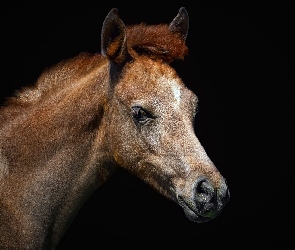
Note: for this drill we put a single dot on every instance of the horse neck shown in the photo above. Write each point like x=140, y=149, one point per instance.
x=52, y=152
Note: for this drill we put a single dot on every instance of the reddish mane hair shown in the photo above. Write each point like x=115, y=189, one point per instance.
x=156, y=41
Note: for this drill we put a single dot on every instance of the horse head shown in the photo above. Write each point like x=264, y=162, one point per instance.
x=149, y=115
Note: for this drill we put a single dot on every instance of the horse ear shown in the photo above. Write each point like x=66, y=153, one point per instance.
x=180, y=23
x=113, y=38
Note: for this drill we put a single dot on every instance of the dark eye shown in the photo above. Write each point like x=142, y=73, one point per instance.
x=140, y=116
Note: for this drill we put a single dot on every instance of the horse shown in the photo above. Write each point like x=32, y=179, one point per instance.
x=86, y=116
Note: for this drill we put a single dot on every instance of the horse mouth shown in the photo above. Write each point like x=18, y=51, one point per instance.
x=192, y=214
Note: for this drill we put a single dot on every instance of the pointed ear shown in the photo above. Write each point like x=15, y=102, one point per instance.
x=180, y=23
x=113, y=38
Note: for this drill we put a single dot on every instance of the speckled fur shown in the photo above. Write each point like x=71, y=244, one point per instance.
x=64, y=137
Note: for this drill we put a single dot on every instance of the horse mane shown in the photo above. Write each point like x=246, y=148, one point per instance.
x=155, y=41
x=52, y=80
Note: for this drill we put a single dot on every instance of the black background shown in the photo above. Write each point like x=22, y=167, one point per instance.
x=241, y=64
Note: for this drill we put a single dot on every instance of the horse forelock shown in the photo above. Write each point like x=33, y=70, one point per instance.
x=156, y=41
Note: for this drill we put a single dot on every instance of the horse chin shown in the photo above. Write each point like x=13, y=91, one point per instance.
x=194, y=215
x=191, y=215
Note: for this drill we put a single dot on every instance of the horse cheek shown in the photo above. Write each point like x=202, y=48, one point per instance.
x=126, y=147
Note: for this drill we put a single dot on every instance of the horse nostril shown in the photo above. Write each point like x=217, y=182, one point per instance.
x=204, y=191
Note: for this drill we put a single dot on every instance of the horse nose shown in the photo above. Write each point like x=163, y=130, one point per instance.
x=223, y=193
x=205, y=201
x=204, y=191
x=208, y=199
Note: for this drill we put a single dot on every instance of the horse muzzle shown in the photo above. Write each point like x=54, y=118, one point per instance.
x=205, y=202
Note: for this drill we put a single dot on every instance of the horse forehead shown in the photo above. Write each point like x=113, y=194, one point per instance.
x=151, y=80
x=172, y=89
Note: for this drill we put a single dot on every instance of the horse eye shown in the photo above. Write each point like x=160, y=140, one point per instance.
x=140, y=115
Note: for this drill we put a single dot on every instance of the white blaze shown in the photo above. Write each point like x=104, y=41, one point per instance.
x=176, y=92
x=174, y=85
